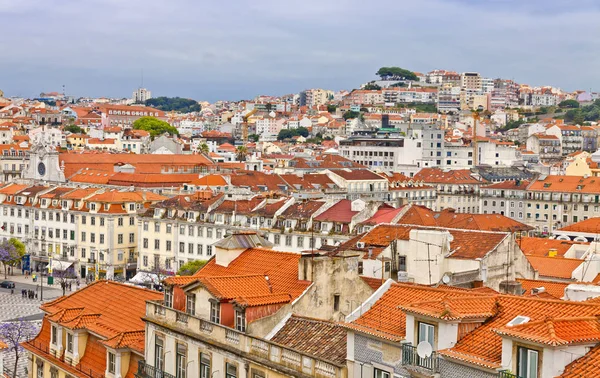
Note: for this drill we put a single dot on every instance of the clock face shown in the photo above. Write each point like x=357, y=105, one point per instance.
x=41, y=169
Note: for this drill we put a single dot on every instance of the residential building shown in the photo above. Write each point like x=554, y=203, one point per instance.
x=457, y=189
x=548, y=147
x=140, y=95
x=97, y=331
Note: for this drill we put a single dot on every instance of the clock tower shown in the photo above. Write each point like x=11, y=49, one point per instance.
x=44, y=164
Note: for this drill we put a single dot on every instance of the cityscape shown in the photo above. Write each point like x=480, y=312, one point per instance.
x=428, y=220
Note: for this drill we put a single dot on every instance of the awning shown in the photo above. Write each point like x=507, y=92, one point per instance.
x=61, y=265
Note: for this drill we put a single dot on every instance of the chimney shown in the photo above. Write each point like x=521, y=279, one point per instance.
x=511, y=287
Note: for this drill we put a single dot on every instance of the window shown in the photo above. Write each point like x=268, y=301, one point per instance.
x=209, y=250
x=181, y=247
x=381, y=374
x=156, y=227
x=131, y=221
x=336, y=302
x=169, y=296
x=168, y=247
x=70, y=342
x=120, y=239
x=145, y=260
x=288, y=240
x=131, y=237
x=426, y=333
x=182, y=230
x=101, y=238
x=215, y=312
x=190, y=304
x=54, y=335
x=276, y=239
x=169, y=228
x=240, y=320
x=111, y=362
x=230, y=370
x=402, y=263
x=199, y=249
x=191, y=248
x=527, y=363
x=120, y=221
x=360, y=268
x=300, y=241
x=204, y=365
x=82, y=236
x=180, y=361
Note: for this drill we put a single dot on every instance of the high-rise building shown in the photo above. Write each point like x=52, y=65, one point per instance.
x=140, y=95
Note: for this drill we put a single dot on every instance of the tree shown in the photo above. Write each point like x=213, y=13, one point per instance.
x=191, y=267
x=290, y=133
x=396, y=73
x=178, y=104
x=241, y=153
x=371, y=87
x=253, y=137
x=74, y=129
x=154, y=126
x=15, y=333
x=572, y=104
x=351, y=114
x=204, y=148
x=302, y=131
x=8, y=255
x=269, y=106
x=331, y=108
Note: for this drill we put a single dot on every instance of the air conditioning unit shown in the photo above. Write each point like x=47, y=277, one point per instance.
x=402, y=276
x=360, y=245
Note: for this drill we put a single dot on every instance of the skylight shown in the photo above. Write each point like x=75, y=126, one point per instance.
x=518, y=320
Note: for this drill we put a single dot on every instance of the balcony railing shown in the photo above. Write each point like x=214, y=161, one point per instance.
x=411, y=358
x=146, y=371
x=287, y=358
x=506, y=374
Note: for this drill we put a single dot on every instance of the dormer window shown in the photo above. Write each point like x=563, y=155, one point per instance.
x=190, y=304
x=106, y=207
x=157, y=212
x=426, y=332
x=527, y=362
x=240, y=319
x=111, y=362
x=93, y=206
x=54, y=335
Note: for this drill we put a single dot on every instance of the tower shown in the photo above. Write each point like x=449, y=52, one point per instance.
x=44, y=164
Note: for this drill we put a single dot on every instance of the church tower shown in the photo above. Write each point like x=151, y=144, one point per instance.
x=44, y=164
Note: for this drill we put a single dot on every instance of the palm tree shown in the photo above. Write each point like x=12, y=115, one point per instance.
x=242, y=151
x=204, y=148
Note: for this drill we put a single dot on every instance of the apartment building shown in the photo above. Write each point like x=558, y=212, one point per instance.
x=457, y=189
x=94, y=332
x=14, y=160
x=85, y=232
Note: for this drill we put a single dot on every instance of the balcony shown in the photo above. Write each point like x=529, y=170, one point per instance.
x=506, y=374
x=410, y=359
x=289, y=360
x=146, y=371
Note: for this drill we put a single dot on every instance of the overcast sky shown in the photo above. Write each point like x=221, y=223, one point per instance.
x=234, y=49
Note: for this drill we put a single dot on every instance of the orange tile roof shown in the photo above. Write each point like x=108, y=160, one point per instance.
x=541, y=246
x=557, y=267
x=483, y=346
x=456, y=308
x=556, y=331
x=589, y=226
x=13, y=189
x=374, y=283
x=567, y=184
x=104, y=298
x=466, y=244
x=386, y=320
x=230, y=287
x=555, y=289
x=280, y=267
x=439, y=176
x=586, y=366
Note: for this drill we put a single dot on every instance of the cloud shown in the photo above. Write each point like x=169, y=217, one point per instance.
x=237, y=49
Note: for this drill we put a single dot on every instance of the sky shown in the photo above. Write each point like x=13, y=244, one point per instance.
x=237, y=49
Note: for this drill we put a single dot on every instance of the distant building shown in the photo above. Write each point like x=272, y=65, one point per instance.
x=140, y=95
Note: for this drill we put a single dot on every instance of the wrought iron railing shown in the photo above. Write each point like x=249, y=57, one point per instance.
x=147, y=371
x=506, y=374
x=411, y=358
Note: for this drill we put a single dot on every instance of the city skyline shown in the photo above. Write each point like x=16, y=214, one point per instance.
x=236, y=51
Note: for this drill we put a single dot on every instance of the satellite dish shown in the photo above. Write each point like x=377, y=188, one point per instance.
x=424, y=349
x=446, y=279
x=450, y=237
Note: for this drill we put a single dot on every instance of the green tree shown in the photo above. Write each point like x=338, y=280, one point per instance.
x=331, y=108
x=572, y=104
x=396, y=73
x=253, y=137
x=302, y=131
x=269, y=106
x=570, y=115
x=74, y=129
x=154, y=126
x=372, y=86
x=191, y=267
x=350, y=114
x=241, y=153
x=204, y=148
x=178, y=104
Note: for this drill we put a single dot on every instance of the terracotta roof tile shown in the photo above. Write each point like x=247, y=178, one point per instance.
x=340, y=212
x=555, y=331
x=542, y=246
x=557, y=267
x=439, y=176
x=586, y=366
x=320, y=338
x=456, y=308
x=556, y=290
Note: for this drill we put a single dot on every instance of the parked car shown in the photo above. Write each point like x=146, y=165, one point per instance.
x=7, y=284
